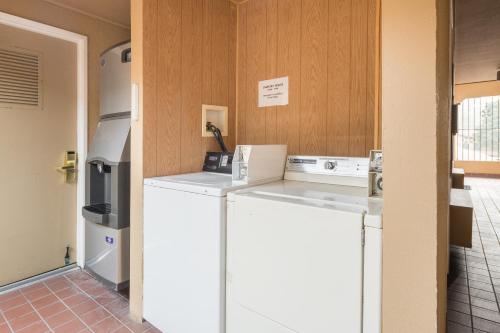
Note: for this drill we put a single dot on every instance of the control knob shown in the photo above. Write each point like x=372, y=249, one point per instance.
x=330, y=165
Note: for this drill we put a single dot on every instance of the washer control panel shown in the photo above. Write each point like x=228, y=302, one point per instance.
x=335, y=166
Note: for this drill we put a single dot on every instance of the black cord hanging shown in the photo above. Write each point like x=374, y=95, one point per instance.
x=218, y=136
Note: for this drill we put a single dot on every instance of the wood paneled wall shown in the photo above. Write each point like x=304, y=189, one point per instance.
x=329, y=50
x=189, y=60
x=215, y=52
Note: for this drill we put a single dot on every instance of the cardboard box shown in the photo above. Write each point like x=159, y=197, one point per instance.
x=457, y=178
x=461, y=218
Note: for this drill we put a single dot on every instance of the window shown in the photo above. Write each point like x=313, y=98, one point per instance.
x=20, y=79
x=478, y=129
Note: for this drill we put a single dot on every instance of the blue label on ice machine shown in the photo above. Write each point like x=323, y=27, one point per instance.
x=110, y=240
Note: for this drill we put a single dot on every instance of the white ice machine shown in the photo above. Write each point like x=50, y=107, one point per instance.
x=107, y=198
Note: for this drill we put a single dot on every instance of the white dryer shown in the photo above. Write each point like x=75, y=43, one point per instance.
x=304, y=254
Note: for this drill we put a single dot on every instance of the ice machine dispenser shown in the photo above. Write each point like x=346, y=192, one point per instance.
x=107, y=198
x=108, y=175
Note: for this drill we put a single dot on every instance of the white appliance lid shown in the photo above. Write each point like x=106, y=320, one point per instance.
x=110, y=141
x=338, y=197
x=208, y=183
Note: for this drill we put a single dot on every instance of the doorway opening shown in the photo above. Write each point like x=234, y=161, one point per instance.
x=478, y=129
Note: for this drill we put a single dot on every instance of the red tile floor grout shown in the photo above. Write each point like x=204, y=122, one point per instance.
x=71, y=303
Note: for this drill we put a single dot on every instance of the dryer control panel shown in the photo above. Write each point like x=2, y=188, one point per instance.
x=349, y=171
x=340, y=166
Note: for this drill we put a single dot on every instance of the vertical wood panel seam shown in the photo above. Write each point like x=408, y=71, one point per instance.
x=378, y=64
x=266, y=68
x=327, y=76
x=239, y=47
x=237, y=73
x=278, y=72
x=212, y=52
x=300, y=77
x=202, y=63
x=367, y=112
x=276, y=69
x=157, y=51
x=236, y=82
x=157, y=27
x=229, y=63
x=350, y=77
x=206, y=40
x=246, y=77
x=179, y=143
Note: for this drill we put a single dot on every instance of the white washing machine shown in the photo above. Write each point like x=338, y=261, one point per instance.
x=185, y=243
x=305, y=254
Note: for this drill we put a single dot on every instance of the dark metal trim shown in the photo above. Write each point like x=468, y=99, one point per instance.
x=115, y=45
x=117, y=115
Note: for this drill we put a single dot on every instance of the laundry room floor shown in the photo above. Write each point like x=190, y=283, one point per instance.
x=70, y=303
x=474, y=280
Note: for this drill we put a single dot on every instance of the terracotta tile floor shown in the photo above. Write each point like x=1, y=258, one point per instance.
x=474, y=280
x=70, y=303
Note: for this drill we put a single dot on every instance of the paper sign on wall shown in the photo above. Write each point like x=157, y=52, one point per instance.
x=273, y=92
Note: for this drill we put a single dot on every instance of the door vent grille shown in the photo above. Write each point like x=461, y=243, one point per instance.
x=20, y=79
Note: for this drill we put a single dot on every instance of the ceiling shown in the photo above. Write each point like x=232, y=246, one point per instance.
x=112, y=11
x=477, y=40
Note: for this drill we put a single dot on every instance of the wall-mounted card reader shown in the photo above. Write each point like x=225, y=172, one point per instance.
x=220, y=162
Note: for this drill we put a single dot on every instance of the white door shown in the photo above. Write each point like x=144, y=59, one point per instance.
x=296, y=267
x=37, y=126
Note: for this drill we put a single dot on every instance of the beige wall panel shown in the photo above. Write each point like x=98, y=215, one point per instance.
x=416, y=155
